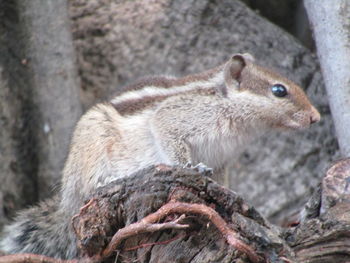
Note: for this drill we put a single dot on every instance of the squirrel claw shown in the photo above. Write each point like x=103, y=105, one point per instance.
x=200, y=167
x=188, y=165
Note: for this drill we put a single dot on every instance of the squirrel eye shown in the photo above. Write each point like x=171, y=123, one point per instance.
x=279, y=90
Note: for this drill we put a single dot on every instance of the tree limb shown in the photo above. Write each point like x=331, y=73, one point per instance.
x=32, y=258
x=330, y=23
x=140, y=218
x=147, y=225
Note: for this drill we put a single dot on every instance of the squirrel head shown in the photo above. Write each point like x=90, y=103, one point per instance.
x=281, y=102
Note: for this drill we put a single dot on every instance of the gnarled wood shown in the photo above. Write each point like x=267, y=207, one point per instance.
x=324, y=236
x=213, y=214
x=171, y=214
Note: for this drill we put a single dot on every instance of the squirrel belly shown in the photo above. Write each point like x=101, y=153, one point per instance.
x=203, y=118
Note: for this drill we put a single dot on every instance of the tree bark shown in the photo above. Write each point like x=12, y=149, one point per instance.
x=39, y=99
x=40, y=88
x=51, y=60
x=171, y=214
x=18, y=159
x=322, y=235
x=161, y=194
x=331, y=21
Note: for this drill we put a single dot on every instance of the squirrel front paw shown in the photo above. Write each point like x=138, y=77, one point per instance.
x=200, y=167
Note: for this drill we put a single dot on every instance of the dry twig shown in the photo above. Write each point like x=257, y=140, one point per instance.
x=33, y=258
x=148, y=224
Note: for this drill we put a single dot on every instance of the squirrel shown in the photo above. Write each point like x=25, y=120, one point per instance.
x=206, y=118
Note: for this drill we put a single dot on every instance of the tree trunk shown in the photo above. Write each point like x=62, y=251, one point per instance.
x=331, y=21
x=51, y=61
x=39, y=102
x=18, y=159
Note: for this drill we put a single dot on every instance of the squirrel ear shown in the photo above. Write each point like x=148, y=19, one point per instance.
x=234, y=67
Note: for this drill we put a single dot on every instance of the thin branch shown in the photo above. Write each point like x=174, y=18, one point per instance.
x=143, y=226
x=131, y=230
x=155, y=243
x=33, y=258
x=147, y=224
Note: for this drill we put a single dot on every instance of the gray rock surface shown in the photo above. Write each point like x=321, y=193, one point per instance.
x=120, y=41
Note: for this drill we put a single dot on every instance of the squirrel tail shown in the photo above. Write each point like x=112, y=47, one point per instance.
x=42, y=229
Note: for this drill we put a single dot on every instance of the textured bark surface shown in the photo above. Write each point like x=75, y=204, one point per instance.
x=55, y=85
x=120, y=41
x=17, y=159
x=137, y=219
x=126, y=201
x=322, y=235
x=39, y=103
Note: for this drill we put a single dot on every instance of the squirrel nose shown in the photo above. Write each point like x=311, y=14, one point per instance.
x=315, y=116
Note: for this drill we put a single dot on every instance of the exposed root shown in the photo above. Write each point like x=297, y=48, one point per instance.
x=148, y=224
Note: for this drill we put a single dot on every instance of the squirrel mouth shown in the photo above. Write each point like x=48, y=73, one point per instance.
x=297, y=125
x=293, y=123
x=300, y=121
